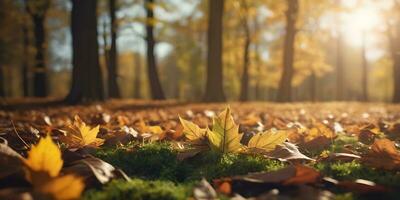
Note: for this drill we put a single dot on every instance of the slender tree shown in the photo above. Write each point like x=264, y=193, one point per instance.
x=393, y=34
x=214, y=85
x=313, y=86
x=25, y=52
x=285, y=84
x=364, y=73
x=86, y=75
x=137, y=78
x=155, y=85
x=244, y=88
x=339, y=68
x=113, y=89
x=2, y=88
x=37, y=9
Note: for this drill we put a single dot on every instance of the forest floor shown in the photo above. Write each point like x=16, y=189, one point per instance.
x=131, y=149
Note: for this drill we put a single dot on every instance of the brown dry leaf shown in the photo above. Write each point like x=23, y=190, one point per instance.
x=287, y=152
x=383, y=154
x=317, y=138
x=10, y=161
x=303, y=175
x=343, y=157
x=188, y=153
x=79, y=135
x=362, y=186
x=250, y=120
x=293, y=175
x=94, y=170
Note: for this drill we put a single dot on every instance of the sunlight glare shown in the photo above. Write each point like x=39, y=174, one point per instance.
x=364, y=18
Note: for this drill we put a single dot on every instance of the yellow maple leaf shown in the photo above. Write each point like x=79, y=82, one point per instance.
x=224, y=136
x=67, y=187
x=192, y=131
x=43, y=166
x=79, y=135
x=268, y=140
x=44, y=158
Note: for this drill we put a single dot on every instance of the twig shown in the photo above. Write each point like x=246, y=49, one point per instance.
x=16, y=132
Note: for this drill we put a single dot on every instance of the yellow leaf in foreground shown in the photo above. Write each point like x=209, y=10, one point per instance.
x=68, y=187
x=45, y=157
x=268, y=140
x=225, y=136
x=191, y=130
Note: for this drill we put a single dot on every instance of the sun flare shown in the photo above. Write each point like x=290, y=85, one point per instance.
x=363, y=19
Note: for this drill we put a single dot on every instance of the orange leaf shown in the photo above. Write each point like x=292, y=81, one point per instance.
x=383, y=154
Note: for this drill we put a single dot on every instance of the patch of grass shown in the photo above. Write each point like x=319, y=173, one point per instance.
x=158, y=161
x=355, y=170
x=140, y=190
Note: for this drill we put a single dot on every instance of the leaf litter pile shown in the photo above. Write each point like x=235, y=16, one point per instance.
x=164, y=150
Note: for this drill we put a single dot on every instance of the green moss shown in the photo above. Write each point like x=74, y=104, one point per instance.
x=151, y=161
x=158, y=161
x=210, y=165
x=140, y=190
x=355, y=170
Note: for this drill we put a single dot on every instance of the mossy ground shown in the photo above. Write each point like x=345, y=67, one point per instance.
x=157, y=174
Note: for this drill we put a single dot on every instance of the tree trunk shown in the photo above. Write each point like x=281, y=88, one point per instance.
x=2, y=86
x=364, y=78
x=214, y=85
x=339, y=68
x=394, y=41
x=137, y=78
x=106, y=53
x=244, y=88
x=40, y=69
x=25, y=60
x=113, y=89
x=155, y=85
x=87, y=82
x=257, y=61
x=313, y=86
x=285, y=84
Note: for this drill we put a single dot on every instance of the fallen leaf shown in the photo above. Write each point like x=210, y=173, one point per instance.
x=43, y=159
x=94, y=170
x=267, y=140
x=67, y=187
x=287, y=152
x=383, y=154
x=10, y=161
x=43, y=167
x=303, y=175
x=192, y=131
x=204, y=191
x=362, y=186
x=79, y=135
x=224, y=136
